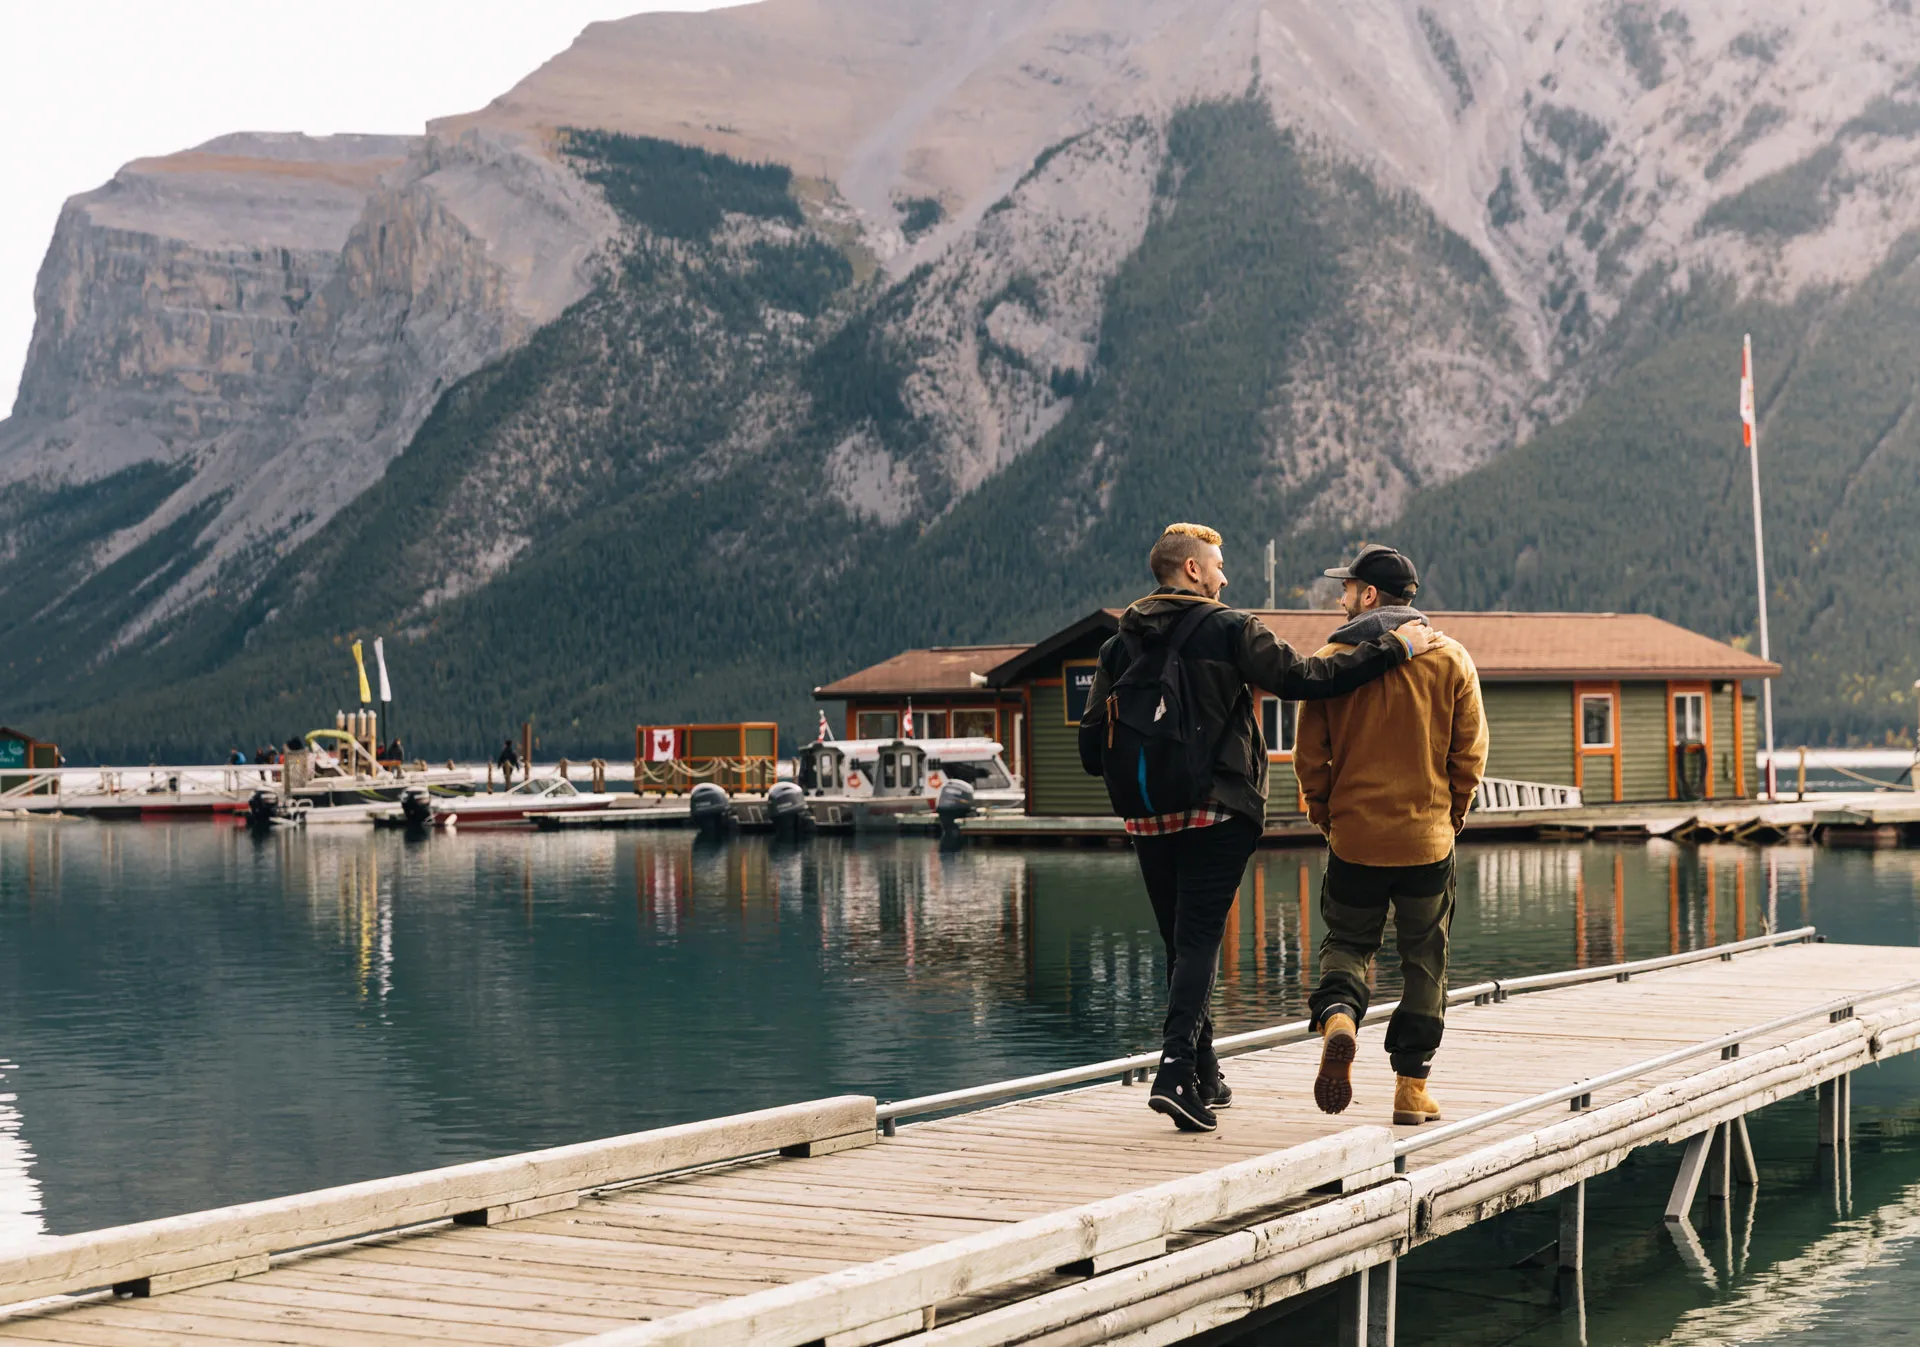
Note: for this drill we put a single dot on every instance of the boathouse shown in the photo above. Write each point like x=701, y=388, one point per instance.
x=1622, y=705
x=947, y=690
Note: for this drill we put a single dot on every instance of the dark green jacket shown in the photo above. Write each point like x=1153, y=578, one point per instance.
x=1227, y=653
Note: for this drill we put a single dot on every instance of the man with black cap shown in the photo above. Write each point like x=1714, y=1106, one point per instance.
x=1389, y=771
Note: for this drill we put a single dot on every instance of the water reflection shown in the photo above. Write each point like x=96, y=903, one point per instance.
x=20, y=1217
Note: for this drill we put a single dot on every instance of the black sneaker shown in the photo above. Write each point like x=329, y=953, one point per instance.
x=1176, y=1093
x=1214, y=1089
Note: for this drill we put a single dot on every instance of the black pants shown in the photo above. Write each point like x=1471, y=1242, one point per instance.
x=1192, y=876
x=1354, y=900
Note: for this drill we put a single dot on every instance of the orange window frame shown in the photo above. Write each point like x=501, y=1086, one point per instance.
x=1704, y=691
x=1581, y=752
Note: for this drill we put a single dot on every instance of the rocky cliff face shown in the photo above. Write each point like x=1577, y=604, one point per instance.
x=273, y=316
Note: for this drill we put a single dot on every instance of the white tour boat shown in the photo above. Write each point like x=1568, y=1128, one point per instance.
x=890, y=779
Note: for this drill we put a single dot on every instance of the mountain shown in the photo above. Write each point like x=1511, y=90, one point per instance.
x=729, y=351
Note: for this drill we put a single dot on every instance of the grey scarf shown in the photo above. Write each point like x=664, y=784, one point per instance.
x=1376, y=622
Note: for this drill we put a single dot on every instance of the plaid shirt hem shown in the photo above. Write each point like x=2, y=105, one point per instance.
x=1200, y=816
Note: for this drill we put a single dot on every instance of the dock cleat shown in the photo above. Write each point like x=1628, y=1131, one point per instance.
x=1412, y=1105
x=1333, y=1087
x=1176, y=1093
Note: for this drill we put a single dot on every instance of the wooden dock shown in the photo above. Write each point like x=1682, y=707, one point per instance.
x=1012, y=1215
x=1884, y=818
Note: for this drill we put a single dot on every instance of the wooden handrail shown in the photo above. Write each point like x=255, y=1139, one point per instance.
x=210, y=1243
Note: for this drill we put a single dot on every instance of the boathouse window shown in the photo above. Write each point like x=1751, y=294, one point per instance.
x=876, y=725
x=973, y=724
x=1278, y=721
x=1689, y=717
x=929, y=724
x=1596, y=720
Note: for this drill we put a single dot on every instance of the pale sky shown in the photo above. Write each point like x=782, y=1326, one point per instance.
x=86, y=85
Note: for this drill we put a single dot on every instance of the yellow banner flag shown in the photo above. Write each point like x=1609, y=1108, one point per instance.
x=366, y=693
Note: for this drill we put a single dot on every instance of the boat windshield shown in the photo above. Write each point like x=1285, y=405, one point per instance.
x=980, y=773
x=544, y=786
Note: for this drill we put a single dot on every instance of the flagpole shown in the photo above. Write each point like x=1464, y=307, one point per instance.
x=1750, y=417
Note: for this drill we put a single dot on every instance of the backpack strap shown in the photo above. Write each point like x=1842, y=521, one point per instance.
x=1188, y=625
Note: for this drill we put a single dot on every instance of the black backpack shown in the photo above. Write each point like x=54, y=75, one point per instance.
x=1152, y=755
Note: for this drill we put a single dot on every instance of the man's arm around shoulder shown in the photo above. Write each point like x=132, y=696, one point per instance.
x=1272, y=664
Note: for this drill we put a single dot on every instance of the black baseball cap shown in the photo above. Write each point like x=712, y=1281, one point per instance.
x=1381, y=567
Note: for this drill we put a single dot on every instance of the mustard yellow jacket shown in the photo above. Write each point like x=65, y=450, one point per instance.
x=1389, y=770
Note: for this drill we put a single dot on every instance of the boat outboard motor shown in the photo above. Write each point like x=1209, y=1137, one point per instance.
x=416, y=807
x=263, y=806
x=954, y=804
x=787, y=807
x=711, y=810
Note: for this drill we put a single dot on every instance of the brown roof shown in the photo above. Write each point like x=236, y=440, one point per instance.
x=1511, y=646
x=943, y=669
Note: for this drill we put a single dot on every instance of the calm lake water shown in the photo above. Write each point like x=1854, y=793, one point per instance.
x=190, y=1016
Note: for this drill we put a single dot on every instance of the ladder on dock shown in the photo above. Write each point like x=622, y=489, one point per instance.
x=1052, y=1209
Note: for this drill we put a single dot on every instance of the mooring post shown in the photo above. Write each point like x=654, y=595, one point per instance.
x=1745, y=1169
x=1720, y=1164
x=1353, y=1309
x=1571, y=1284
x=1383, y=1303
x=1836, y=1099
x=1573, y=1228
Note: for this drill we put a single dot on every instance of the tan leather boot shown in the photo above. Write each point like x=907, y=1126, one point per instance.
x=1411, y=1102
x=1333, y=1087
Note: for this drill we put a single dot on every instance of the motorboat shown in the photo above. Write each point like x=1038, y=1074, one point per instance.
x=520, y=804
x=886, y=782
x=336, y=779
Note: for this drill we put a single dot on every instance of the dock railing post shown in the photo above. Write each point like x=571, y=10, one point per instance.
x=1383, y=1303
x=1353, y=1309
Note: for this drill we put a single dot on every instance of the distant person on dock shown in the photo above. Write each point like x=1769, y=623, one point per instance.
x=1389, y=772
x=509, y=761
x=1170, y=725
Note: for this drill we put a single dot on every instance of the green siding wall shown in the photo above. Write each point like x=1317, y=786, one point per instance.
x=1530, y=731
x=1643, y=743
x=1059, y=786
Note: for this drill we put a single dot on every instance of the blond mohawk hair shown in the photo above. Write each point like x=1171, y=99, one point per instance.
x=1178, y=543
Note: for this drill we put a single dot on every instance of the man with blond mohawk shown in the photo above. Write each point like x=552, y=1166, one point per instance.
x=1170, y=725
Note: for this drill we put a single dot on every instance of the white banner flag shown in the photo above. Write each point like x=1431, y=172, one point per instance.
x=380, y=661
x=660, y=745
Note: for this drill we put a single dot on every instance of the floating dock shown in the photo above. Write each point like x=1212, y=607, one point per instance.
x=1876, y=818
x=1056, y=1209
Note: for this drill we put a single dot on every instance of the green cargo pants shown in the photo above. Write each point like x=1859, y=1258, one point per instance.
x=1354, y=900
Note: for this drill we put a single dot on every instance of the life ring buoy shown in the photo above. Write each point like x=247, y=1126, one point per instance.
x=935, y=780
x=853, y=780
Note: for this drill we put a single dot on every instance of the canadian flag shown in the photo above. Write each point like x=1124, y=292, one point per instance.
x=660, y=745
x=1746, y=391
x=906, y=724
